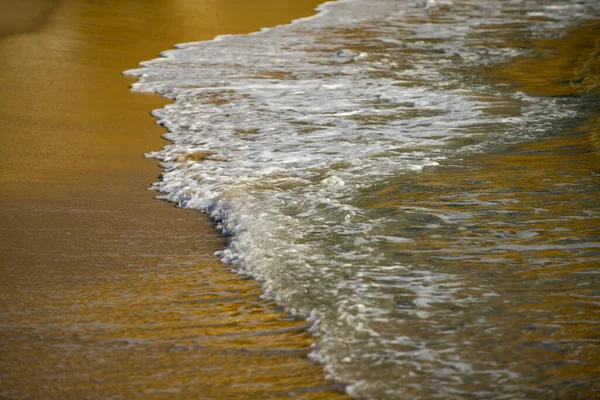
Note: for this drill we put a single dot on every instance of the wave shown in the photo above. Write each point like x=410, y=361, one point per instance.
x=278, y=135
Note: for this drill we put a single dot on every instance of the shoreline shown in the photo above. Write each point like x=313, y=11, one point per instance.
x=105, y=290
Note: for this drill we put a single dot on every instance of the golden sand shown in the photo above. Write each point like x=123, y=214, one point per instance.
x=105, y=291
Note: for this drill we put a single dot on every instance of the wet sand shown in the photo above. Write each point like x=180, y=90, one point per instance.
x=106, y=291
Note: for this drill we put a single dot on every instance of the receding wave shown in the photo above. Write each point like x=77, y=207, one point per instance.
x=319, y=147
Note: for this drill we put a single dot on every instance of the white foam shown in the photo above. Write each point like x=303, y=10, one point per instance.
x=297, y=119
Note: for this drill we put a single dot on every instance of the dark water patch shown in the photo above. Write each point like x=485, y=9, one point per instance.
x=560, y=66
x=523, y=225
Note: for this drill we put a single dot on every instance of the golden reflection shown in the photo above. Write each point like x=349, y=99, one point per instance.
x=562, y=66
x=522, y=223
x=104, y=292
x=587, y=71
x=183, y=329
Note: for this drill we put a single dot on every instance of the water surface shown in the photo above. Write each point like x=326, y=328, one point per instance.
x=413, y=179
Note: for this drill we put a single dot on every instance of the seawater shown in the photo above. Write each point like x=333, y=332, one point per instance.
x=438, y=228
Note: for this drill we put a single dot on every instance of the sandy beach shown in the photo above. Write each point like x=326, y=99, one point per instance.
x=106, y=292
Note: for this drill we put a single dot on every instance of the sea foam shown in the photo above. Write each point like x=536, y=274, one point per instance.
x=296, y=121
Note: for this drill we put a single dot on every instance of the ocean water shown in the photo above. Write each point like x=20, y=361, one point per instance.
x=437, y=227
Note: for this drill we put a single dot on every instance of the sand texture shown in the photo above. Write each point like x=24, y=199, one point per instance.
x=106, y=292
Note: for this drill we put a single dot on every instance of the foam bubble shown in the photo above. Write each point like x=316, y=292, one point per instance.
x=276, y=133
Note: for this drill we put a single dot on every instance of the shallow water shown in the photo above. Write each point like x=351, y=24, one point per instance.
x=104, y=292
x=509, y=245
x=400, y=174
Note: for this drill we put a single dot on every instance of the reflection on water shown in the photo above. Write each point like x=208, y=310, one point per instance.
x=105, y=293
x=520, y=229
x=184, y=329
x=483, y=283
x=463, y=281
x=559, y=67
